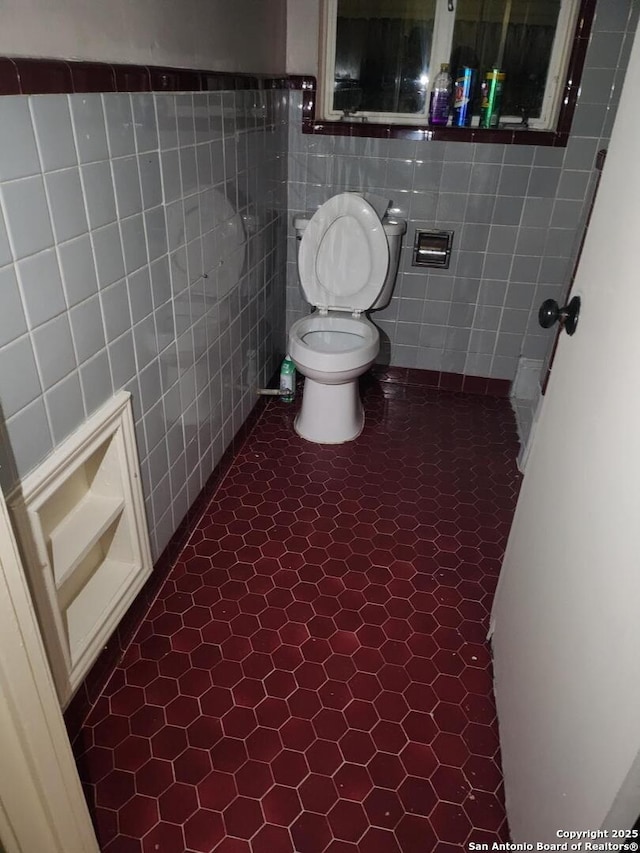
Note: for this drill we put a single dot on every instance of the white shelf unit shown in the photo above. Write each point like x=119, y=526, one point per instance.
x=82, y=531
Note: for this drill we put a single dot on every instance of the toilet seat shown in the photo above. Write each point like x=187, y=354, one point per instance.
x=333, y=344
x=344, y=255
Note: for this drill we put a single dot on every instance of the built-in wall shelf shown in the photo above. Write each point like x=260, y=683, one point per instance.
x=83, y=535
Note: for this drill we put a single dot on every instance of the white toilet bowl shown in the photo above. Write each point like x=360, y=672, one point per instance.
x=331, y=352
x=348, y=260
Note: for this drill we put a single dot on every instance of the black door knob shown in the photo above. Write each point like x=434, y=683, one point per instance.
x=550, y=313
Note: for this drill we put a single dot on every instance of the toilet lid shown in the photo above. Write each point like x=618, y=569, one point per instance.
x=344, y=255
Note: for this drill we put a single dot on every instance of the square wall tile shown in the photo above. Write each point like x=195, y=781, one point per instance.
x=17, y=141
x=122, y=359
x=133, y=243
x=5, y=249
x=88, y=122
x=107, y=248
x=87, y=328
x=66, y=203
x=172, y=186
x=27, y=216
x=140, y=298
x=78, y=269
x=41, y=286
x=156, y=228
x=53, y=346
x=99, y=195
x=19, y=380
x=150, y=179
x=126, y=180
x=29, y=437
x=115, y=309
x=65, y=407
x=145, y=122
x=119, y=124
x=166, y=117
x=54, y=134
x=12, y=319
x=95, y=380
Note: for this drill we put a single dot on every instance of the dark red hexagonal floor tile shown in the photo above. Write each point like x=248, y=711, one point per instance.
x=330, y=724
x=386, y=771
x=115, y=789
x=383, y=808
x=163, y=836
x=318, y=793
x=243, y=817
x=281, y=805
x=272, y=712
x=272, y=838
x=204, y=830
x=239, y=722
x=415, y=835
x=204, y=732
x=147, y=721
x=217, y=790
x=353, y=782
x=450, y=823
x=132, y=753
x=357, y=747
x=169, y=742
x=263, y=744
x=111, y=731
x=347, y=820
x=297, y=734
x=417, y=796
x=254, y=779
x=484, y=810
x=323, y=756
x=228, y=755
x=178, y=802
x=379, y=841
x=289, y=768
x=154, y=777
x=182, y=711
x=192, y=766
x=311, y=833
x=450, y=784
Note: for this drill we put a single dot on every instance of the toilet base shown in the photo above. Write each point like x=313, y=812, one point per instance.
x=330, y=414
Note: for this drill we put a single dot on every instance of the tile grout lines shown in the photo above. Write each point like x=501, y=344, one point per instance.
x=314, y=675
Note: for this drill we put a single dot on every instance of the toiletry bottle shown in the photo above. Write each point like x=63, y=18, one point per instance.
x=440, y=104
x=287, y=380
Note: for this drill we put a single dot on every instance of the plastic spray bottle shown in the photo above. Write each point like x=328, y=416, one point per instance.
x=287, y=380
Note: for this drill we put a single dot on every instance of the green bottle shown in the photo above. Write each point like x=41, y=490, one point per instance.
x=287, y=380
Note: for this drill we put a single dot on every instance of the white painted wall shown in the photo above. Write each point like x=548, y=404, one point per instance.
x=303, y=25
x=223, y=35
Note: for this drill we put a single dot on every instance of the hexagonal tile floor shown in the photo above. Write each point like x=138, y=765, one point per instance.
x=313, y=676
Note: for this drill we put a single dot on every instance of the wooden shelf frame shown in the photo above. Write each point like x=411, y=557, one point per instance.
x=83, y=534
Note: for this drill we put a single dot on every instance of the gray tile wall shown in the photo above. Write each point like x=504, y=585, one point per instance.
x=120, y=267
x=517, y=213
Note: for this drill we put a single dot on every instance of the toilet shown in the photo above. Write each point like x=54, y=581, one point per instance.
x=348, y=261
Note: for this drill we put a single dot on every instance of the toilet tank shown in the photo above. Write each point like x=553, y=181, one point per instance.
x=394, y=228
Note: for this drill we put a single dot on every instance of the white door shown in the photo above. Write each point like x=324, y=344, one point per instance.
x=42, y=807
x=566, y=619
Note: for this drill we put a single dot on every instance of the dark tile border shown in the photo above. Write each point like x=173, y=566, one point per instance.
x=98, y=676
x=442, y=381
x=31, y=76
